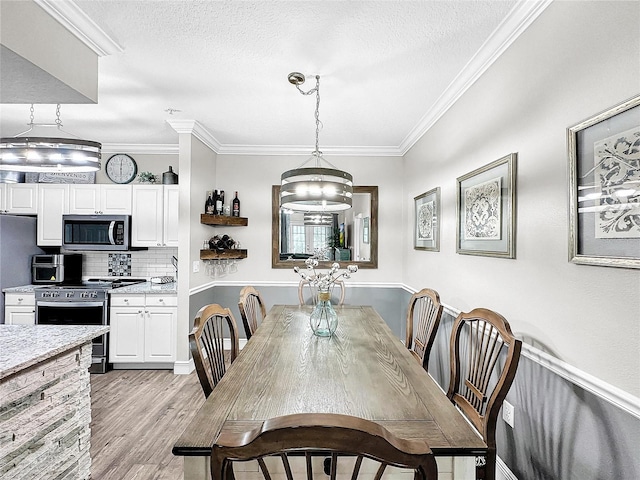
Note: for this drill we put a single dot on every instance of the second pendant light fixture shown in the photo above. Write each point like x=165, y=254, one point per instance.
x=315, y=188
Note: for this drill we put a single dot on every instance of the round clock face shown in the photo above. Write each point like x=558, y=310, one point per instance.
x=121, y=168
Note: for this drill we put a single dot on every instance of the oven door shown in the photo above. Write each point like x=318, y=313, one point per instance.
x=75, y=313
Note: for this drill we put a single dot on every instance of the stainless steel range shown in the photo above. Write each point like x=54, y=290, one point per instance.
x=85, y=304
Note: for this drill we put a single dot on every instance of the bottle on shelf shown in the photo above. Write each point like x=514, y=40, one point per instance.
x=236, y=206
x=220, y=203
x=215, y=202
x=208, y=205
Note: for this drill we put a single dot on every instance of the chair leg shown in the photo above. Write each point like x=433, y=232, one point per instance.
x=486, y=466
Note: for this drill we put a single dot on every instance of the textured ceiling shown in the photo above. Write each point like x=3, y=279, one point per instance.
x=383, y=65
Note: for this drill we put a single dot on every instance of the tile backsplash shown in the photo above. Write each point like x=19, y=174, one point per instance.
x=153, y=262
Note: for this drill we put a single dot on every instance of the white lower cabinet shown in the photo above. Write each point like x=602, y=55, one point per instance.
x=20, y=309
x=143, y=328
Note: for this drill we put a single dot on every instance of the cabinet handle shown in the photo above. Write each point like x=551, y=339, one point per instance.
x=126, y=300
x=161, y=300
x=20, y=299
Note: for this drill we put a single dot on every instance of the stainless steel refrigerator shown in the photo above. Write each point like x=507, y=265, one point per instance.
x=17, y=244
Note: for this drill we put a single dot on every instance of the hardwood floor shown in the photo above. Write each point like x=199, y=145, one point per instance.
x=136, y=417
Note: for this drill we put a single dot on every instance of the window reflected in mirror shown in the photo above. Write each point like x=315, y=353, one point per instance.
x=349, y=236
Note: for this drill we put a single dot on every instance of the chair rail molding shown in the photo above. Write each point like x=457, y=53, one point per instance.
x=612, y=394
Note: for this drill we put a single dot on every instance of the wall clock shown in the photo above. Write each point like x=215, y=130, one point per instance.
x=121, y=168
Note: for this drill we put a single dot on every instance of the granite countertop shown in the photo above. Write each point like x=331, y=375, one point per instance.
x=144, y=287
x=147, y=287
x=21, y=289
x=22, y=346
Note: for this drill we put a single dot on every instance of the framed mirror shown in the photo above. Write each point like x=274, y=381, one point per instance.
x=347, y=237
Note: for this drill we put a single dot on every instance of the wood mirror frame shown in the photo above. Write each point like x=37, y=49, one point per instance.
x=276, y=262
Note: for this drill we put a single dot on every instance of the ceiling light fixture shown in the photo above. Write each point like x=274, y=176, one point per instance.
x=48, y=154
x=315, y=188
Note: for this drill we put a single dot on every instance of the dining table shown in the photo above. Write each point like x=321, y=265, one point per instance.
x=362, y=370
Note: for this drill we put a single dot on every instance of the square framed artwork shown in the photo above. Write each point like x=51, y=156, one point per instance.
x=426, y=221
x=604, y=187
x=485, y=210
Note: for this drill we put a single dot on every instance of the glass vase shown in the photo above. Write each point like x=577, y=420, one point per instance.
x=324, y=319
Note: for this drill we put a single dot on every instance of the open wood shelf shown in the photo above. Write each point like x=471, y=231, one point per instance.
x=223, y=220
x=227, y=254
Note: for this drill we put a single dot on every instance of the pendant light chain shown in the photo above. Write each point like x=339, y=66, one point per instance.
x=58, y=120
x=318, y=152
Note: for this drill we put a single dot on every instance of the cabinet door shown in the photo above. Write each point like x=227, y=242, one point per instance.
x=146, y=219
x=84, y=199
x=170, y=223
x=53, y=202
x=21, y=199
x=160, y=334
x=127, y=335
x=19, y=315
x=115, y=199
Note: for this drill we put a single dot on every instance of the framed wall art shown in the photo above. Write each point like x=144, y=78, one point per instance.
x=485, y=210
x=604, y=187
x=426, y=221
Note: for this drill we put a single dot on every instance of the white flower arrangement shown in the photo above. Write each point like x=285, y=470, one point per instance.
x=323, y=281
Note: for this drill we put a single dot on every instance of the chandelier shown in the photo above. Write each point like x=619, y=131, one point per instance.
x=315, y=188
x=48, y=154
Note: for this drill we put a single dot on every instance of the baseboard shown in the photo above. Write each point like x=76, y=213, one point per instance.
x=184, y=368
x=503, y=472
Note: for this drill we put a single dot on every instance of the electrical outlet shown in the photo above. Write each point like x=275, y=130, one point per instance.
x=196, y=266
x=508, y=413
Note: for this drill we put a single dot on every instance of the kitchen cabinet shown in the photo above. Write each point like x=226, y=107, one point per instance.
x=20, y=309
x=154, y=221
x=98, y=199
x=143, y=328
x=19, y=198
x=53, y=202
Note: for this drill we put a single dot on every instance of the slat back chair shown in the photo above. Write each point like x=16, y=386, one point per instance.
x=252, y=310
x=321, y=434
x=425, y=311
x=484, y=359
x=206, y=342
x=308, y=293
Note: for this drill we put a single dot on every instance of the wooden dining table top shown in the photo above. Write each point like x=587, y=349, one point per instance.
x=363, y=370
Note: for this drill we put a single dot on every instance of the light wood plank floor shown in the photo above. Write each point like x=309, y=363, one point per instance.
x=136, y=417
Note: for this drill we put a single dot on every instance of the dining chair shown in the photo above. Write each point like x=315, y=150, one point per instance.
x=206, y=342
x=347, y=440
x=484, y=359
x=308, y=293
x=425, y=311
x=252, y=310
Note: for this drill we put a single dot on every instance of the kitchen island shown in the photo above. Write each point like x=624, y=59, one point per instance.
x=45, y=403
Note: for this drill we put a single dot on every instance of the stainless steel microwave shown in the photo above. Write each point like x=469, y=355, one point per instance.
x=96, y=232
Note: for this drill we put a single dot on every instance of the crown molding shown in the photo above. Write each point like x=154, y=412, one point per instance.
x=141, y=149
x=517, y=21
x=196, y=129
x=379, y=151
x=70, y=16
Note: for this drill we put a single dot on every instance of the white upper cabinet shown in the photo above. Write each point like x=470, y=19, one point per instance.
x=154, y=220
x=19, y=198
x=53, y=202
x=98, y=199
